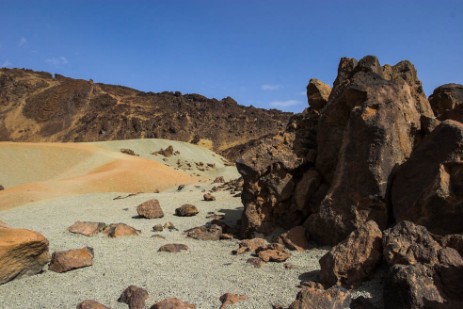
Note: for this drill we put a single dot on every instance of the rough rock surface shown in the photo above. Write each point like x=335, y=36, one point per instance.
x=273, y=253
x=63, y=261
x=172, y=303
x=91, y=304
x=354, y=259
x=22, y=253
x=173, y=248
x=187, y=210
x=371, y=123
x=115, y=230
x=230, y=299
x=150, y=209
x=87, y=228
x=134, y=297
x=208, y=197
x=251, y=245
x=333, y=298
x=446, y=102
x=295, y=239
x=318, y=93
x=203, y=232
x=428, y=188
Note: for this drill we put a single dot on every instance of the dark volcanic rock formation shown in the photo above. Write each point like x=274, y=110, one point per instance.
x=447, y=102
x=34, y=106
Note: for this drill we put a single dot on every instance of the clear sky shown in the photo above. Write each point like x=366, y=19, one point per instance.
x=261, y=53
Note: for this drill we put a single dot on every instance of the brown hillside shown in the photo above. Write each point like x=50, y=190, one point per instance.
x=39, y=107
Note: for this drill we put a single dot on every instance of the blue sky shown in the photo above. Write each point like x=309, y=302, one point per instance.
x=261, y=53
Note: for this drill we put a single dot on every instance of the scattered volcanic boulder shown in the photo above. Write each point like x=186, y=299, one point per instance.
x=150, y=209
x=212, y=232
x=295, y=239
x=273, y=253
x=87, y=228
x=313, y=298
x=172, y=303
x=173, y=248
x=354, y=259
x=187, y=210
x=22, y=253
x=91, y=304
x=318, y=93
x=251, y=245
x=230, y=299
x=446, y=102
x=370, y=125
x=454, y=241
x=168, y=152
x=134, y=297
x=428, y=188
x=63, y=261
x=208, y=197
x=115, y=230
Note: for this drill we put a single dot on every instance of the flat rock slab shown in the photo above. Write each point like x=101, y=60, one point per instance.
x=173, y=248
x=230, y=299
x=87, y=228
x=205, y=233
x=22, y=253
x=91, y=304
x=115, y=230
x=63, y=261
x=172, y=303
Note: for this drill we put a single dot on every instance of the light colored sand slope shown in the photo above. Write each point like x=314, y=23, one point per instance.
x=36, y=171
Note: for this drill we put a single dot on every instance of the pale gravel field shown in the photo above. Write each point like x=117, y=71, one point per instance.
x=199, y=276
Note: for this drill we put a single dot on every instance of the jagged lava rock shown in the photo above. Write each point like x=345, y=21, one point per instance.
x=22, y=253
x=371, y=123
x=354, y=259
x=87, y=228
x=172, y=303
x=203, y=232
x=318, y=93
x=273, y=253
x=251, y=245
x=446, y=102
x=333, y=298
x=134, y=297
x=150, y=209
x=428, y=188
x=63, y=261
x=295, y=239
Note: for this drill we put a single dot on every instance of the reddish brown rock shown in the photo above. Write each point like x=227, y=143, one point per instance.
x=173, y=248
x=428, y=188
x=354, y=259
x=370, y=125
x=187, y=210
x=408, y=244
x=295, y=239
x=208, y=197
x=333, y=298
x=63, y=261
x=251, y=245
x=2, y=188
x=87, y=228
x=158, y=228
x=134, y=297
x=273, y=253
x=91, y=304
x=22, y=253
x=212, y=232
x=255, y=261
x=115, y=230
x=230, y=299
x=172, y=303
x=446, y=102
x=150, y=209
x=318, y=93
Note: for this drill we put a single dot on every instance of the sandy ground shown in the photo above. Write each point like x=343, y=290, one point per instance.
x=199, y=276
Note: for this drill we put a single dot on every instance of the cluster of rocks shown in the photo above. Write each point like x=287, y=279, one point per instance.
x=370, y=158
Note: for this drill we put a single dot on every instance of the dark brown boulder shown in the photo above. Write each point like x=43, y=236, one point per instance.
x=208, y=197
x=312, y=298
x=150, y=209
x=2, y=188
x=408, y=244
x=318, y=93
x=91, y=304
x=428, y=188
x=63, y=261
x=22, y=253
x=173, y=248
x=187, y=210
x=86, y=228
x=295, y=239
x=354, y=259
x=251, y=245
x=212, y=232
x=454, y=241
x=446, y=100
x=134, y=297
x=273, y=253
x=371, y=123
x=172, y=303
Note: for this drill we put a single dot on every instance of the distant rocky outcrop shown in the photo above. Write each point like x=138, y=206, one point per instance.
x=40, y=107
x=447, y=102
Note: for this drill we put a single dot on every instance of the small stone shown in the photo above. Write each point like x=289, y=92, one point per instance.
x=219, y=180
x=87, y=228
x=205, y=233
x=173, y=248
x=273, y=253
x=150, y=209
x=158, y=228
x=230, y=299
x=208, y=197
x=186, y=210
x=172, y=303
x=227, y=236
x=289, y=266
x=170, y=226
x=255, y=261
x=91, y=304
x=251, y=245
x=134, y=297
x=63, y=261
x=115, y=230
